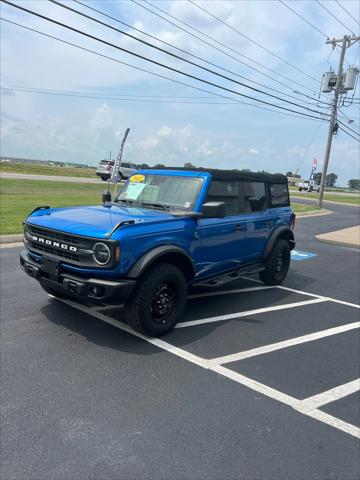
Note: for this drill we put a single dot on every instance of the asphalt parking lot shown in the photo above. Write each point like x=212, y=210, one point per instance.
x=255, y=382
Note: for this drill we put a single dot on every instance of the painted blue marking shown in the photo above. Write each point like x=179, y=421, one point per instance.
x=297, y=255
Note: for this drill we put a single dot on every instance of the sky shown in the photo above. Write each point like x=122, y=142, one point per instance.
x=172, y=123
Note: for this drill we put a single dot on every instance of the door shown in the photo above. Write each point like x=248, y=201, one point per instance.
x=239, y=238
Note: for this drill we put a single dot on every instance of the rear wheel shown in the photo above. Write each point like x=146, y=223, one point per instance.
x=277, y=264
x=158, y=300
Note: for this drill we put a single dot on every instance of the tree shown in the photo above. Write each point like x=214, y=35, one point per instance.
x=189, y=165
x=159, y=165
x=289, y=174
x=317, y=178
x=330, y=180
x=143, y=166
x=354, y=183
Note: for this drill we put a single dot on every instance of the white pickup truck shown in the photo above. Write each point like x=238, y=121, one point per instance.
x=309, y=187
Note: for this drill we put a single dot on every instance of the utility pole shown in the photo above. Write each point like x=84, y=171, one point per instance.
x=347, y=41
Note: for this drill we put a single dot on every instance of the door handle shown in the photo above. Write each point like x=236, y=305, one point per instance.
x=240, y=227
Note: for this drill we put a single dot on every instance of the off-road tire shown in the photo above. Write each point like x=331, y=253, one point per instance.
x=139, y=308
x=273, y=275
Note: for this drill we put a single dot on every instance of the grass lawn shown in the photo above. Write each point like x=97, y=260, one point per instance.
x=300, y=207
x=32, y=168
x=353, y=199
x=19, y=197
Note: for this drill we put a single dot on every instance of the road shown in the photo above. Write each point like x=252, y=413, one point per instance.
x=81, y=398
x=55, y=178
x=329, y=192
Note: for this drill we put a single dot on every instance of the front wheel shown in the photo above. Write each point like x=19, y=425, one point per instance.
x=158, y=300
x=277, y=264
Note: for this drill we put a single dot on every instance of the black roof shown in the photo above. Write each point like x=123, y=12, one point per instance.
x=237, y=175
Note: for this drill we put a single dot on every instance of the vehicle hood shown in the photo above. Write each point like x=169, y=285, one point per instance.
x=94, y=221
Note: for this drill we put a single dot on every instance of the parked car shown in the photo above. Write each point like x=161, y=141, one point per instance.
x=309, y=187
x=105, y=168
x=165, y=231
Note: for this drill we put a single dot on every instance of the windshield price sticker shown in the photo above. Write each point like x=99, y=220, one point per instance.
x=134, y=190
x=137, y=178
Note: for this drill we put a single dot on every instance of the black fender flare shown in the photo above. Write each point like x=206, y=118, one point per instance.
x=161, y=251
x=280, y=232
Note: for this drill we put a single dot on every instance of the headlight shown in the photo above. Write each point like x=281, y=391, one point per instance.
x=101, y=253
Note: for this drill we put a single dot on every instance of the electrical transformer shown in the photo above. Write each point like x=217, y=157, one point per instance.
x=329, y=82
x=350, y=78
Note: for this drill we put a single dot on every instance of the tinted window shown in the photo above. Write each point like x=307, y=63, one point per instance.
x=279, y=194
x=254, y=196
x=227, y=192
x=239, y=197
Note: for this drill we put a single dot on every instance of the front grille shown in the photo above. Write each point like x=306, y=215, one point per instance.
x=72, y=249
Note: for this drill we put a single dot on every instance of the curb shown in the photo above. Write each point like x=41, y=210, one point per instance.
x=313, y=213
x=335, y=242
x=17, y=237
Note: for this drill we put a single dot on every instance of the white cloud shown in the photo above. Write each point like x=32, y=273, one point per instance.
x=102, y=118
x=253, y=151
x=164, y=131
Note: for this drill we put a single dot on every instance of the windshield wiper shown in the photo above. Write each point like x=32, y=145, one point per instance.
x=126, y=201
x=155, y=205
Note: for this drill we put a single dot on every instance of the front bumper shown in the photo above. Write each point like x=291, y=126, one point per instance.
x=97, y=290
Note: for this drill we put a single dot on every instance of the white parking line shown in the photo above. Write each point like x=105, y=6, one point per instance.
x=122, y=326
x=329, y=396
x=246, y=313
x=241, y=379
x=284, y=344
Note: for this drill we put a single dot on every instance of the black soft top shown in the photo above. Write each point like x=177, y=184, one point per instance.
x=230, y=175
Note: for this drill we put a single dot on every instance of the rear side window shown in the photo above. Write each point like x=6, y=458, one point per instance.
x=239, y=196
x=254, y=197
x=279, y=195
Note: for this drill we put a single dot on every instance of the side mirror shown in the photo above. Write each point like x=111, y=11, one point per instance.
x=213, y=210
x=106, y=196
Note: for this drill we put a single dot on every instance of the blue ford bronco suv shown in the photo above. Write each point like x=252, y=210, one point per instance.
x=165, y=231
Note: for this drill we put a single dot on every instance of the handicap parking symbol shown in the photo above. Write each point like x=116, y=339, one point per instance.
x=298, y=256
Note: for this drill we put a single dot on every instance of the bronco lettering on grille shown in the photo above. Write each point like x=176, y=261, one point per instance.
x=54, y=244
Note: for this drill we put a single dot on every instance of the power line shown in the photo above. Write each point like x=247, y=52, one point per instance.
x=304, y=19
x=345, y=126
x=125, y=97
x=177, y=56
x=219, y=43
x=186, y=52
x=253, y=41
x=330, y=13
x=340, y=5
x=137, y=55
x=352, y=136
x=298, y=115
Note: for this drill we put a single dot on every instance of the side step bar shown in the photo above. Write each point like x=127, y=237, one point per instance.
x=231, y=276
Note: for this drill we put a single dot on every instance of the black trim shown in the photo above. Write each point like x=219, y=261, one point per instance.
x=146, y=260
x=274, y=237
x=75, y=286
x=43, y=207
x=235, y=174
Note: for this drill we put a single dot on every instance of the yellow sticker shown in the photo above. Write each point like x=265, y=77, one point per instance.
x=137, y=178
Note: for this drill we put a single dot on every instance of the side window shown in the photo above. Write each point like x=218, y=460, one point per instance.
x=253, y=197
x=227, y=192
x=125, y=165
x=279, y=195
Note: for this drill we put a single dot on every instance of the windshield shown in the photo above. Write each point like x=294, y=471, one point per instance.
x=161, y=191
